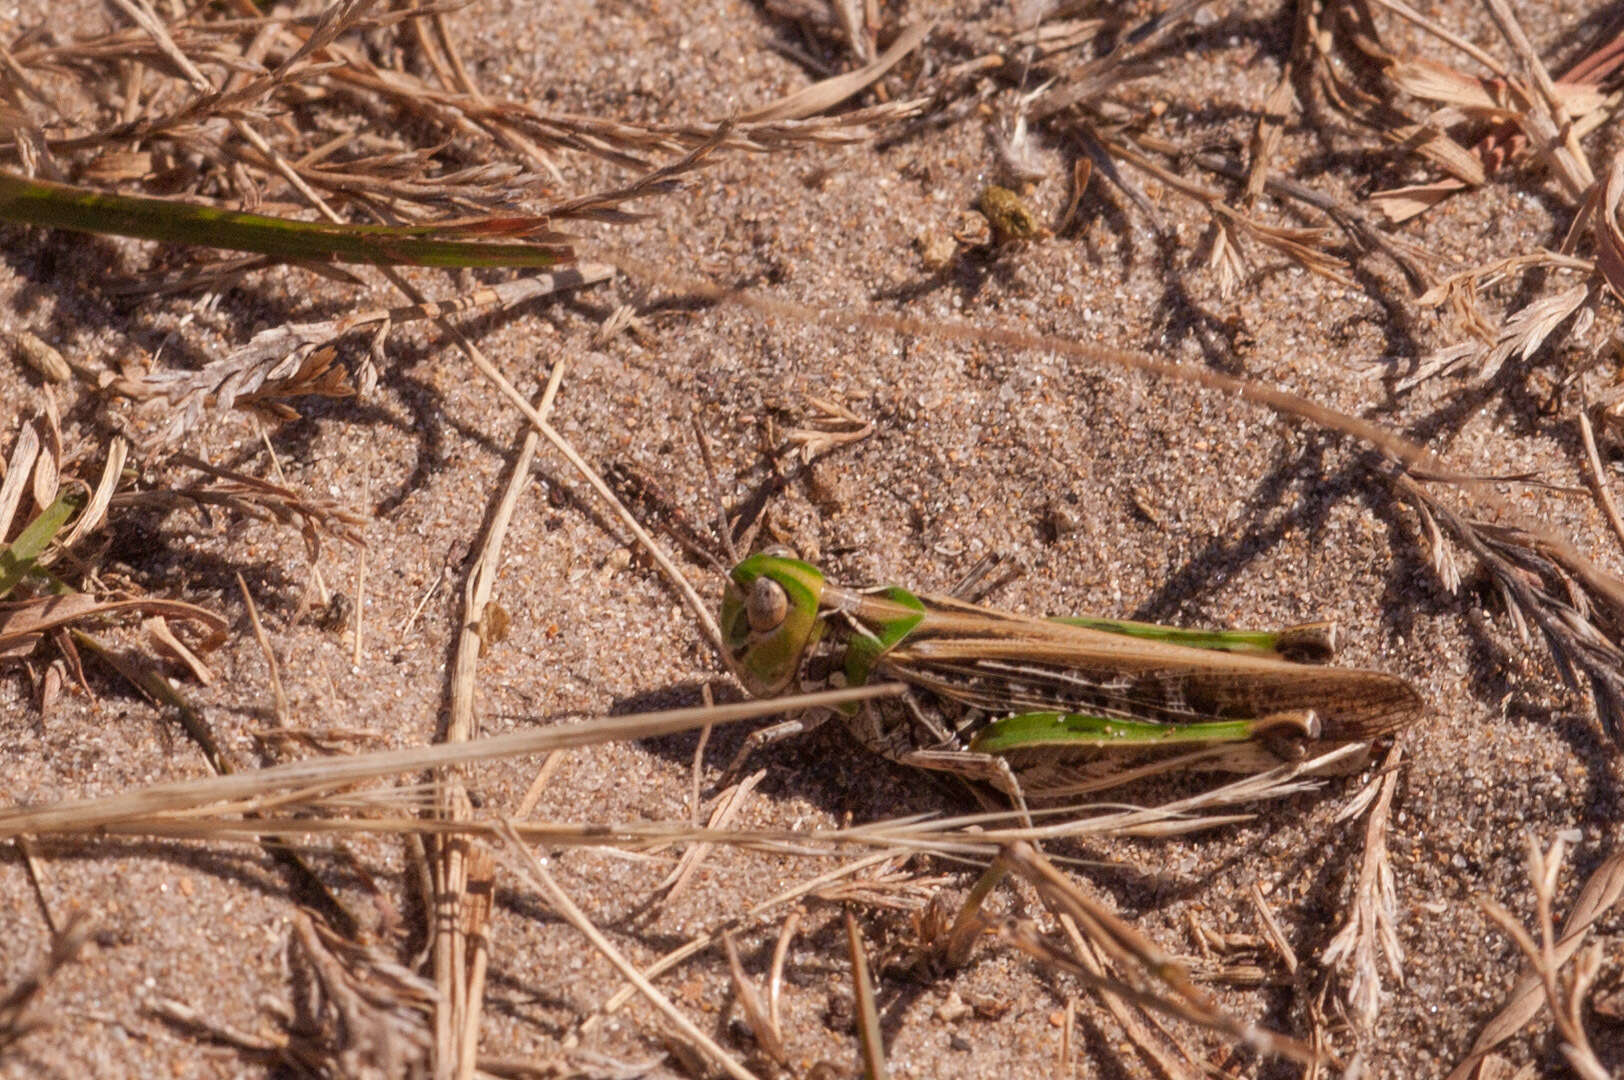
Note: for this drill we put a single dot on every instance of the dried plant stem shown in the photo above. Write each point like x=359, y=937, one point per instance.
x=453, y=976
x=1598, y=477
x=868, y=1009
x=327, y=774
x=277, y=693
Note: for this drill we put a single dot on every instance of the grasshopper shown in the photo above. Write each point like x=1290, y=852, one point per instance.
x=1045, y=707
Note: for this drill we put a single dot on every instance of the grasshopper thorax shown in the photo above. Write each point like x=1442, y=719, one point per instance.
x=770, y=620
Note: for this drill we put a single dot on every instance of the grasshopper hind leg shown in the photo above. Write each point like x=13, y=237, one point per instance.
x=989, y=769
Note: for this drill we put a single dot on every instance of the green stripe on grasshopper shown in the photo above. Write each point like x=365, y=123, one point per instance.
x=866, y=649
x=1310, y=641
x=1025, y=731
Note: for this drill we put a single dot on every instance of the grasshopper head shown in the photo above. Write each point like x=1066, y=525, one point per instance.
x=770, y=620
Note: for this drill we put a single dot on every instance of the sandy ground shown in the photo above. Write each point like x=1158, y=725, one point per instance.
x=1183, y=507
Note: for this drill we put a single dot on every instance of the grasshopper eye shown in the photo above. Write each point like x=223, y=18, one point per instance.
x=767, y=605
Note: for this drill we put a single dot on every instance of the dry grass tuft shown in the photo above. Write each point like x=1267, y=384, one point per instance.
x=1564, y=994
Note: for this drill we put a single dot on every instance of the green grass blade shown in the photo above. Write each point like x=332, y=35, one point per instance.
x=60, y=206
x=20, y=556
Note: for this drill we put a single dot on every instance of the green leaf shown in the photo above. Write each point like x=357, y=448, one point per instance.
x=17, y=559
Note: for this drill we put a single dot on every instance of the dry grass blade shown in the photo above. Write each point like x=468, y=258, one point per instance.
x=1598, y=477
x=317, y=376
x=182, y=797
x=19, y=467
x=726, y=809
x=278, y=696
x=1600, y=893
x=24, y=623
x=1536, y=113
x=164, y=639
x=376, y=170
x=1272, y=930
x=763, y=1025
x=1146, y=1035
x=868, y=1010
x=95, y=515
x=1599, y=216
x=1371, y=928
x=830, y=92
x=1087, y=87
x=1266, y=136
x=1572, y=105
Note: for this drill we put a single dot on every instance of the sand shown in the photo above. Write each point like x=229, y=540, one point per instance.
x=1174, y=504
